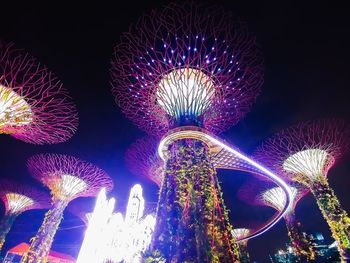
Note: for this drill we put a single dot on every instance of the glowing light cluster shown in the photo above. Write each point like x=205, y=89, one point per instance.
x=240, y=233
x=187, y=63
x=14, y=110
x=112, y=238
x=18, y=203
x=311, y=162
x=185, y=92
x=34, y=106
x=276, y=197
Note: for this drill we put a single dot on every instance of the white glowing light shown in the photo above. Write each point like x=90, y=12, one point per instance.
x=239, y=233
x=14, y=110
x=136, y=205
x=185, y=92
x=206, y=137
x=17, y=203
x=310, y=162
x=276, y=197
x=110, y=238
x=68, y=187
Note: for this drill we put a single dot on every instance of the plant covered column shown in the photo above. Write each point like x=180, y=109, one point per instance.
x=301, y=245
x=5, y=226
x=192, y=222
x=42, y=242
x=336, y=217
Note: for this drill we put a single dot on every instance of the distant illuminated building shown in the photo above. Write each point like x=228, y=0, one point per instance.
x=112, y=238
x=324, y=252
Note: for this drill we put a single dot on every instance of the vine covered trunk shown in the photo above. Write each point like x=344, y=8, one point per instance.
x=300, y=244
x=336, y=217
x=42, y=242
x=5, y=226
x=243, y=252
x=192, y=221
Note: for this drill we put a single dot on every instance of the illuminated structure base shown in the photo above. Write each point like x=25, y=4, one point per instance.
x=192, y=221
x=42, y=242
x=336, y=217
x=5, y=226
x=301, y=246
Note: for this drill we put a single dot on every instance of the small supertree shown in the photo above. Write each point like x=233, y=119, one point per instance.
x=188, y=65
x=81, y=210
x=304, y=153
x=34, y=106
x=18, y=198
x=239, y=233
x=143, y=160
x=68, y=178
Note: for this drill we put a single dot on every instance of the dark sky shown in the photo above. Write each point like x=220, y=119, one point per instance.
x=307, y=55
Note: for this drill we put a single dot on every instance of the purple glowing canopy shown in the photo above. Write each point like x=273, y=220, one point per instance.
x=220, y=54
x=34, y=106
x=50, y=169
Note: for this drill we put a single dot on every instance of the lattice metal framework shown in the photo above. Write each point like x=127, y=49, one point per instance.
x=68, y=177
x=18, y=197
x=186, y=64
x=309, y=148
x=143, y=160
x=34, y=106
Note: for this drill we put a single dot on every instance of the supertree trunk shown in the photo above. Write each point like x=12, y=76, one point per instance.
x=5, y=226
x=192, y=221
x=42, y=242
x=243, y=252
x=336, y=217
x=300, y=244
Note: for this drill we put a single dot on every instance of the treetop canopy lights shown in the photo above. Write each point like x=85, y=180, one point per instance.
x=18, y=198
x=34, y=107
x=186, y=65
x=68, y=178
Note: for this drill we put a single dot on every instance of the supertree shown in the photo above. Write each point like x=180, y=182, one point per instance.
x=81, y=210
x=143, y=160
x=17, y=199
x=188, y=67
x=305, y=153
x=34, y=106
x=263, y=193
x=68, y=178
x=239, y=233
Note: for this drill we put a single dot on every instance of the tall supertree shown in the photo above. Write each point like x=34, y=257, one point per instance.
x=143, y=160
x=305, y=153
x=188, y=67
x=240, y=233
x=17, y=199
x=262, y=193
x=68, y=178
x=34, y=106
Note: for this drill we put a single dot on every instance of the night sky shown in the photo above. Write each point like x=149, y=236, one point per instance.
x=306, y=46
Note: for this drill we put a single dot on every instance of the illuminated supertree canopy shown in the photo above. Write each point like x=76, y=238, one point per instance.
x=68, y=178
x=188, y=65
x=143, y=160
x=34, y=106
x=264, y=194
x=239, y=233
x=18, y=198
x=304, y=153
